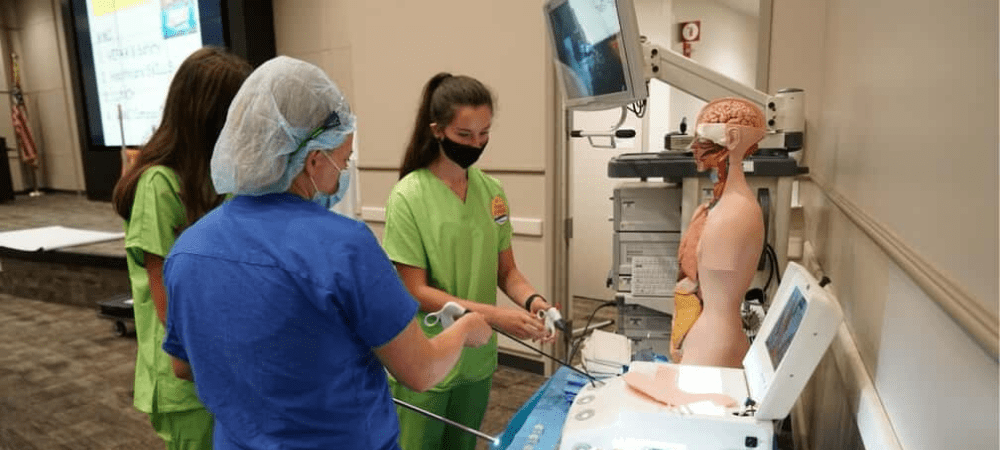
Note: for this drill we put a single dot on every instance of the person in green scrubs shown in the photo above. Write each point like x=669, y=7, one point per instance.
x=166, y=189
x=448, y=231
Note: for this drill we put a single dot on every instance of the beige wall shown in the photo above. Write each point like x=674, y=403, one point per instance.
x=8, y=17
x=901, y=139
x=728, y=45
x=381, y=54
x=902, y=145
x=35, y=31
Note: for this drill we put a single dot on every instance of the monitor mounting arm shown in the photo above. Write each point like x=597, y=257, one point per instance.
x=784, y=112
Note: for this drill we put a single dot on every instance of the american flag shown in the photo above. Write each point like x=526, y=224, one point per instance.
x=19, y=115
x=29, y=155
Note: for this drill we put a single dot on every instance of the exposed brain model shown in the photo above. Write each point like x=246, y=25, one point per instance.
x=731, y=111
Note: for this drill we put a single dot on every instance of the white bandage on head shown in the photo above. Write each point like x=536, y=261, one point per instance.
x=266, y=138
x=715, y=132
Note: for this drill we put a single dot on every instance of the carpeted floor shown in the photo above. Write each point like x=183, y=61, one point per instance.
x=66, y=377
x=66, y=382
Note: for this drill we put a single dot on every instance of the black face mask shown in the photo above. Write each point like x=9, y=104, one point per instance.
x=461, y=154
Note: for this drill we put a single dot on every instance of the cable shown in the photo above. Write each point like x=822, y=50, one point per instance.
x=592, y=379
x=771, y=269
x=576, y=347
x=774, y=259
x=572, y=352
x=464, y=311
x=773, y=272
x=638, y=108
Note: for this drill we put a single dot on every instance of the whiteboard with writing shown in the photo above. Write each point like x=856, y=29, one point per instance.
x=137, y=46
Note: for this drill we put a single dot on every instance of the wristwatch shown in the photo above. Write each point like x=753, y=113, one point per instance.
x=531, y=298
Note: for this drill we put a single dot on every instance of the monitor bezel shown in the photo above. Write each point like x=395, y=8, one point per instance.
x=775, y=388
x=633, y=58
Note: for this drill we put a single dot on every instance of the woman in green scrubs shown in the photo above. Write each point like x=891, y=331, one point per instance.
x=448, y=232
x=165, y=190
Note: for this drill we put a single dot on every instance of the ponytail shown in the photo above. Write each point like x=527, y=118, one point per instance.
x=441, y=96
x=421, y=150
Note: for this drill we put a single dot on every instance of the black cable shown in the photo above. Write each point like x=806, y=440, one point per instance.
x=592, y=379
x=572, y=352
x=593, y=313
x=774, y=259
x=638, y=108
x=771, y=267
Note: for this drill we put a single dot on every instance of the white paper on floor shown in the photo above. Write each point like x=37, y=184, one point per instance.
x=53, y=237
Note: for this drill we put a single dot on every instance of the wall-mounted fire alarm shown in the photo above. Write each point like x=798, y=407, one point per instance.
x=690, y=31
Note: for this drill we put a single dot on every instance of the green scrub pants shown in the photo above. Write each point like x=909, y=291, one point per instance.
x=184, y=430
x=465, y=404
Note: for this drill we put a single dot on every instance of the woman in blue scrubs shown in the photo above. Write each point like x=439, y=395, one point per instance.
x=285, y=314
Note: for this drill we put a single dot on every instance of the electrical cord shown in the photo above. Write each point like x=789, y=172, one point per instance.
x=536, y=350
x=774, y=261
x=771, y=257
x=772, y=269
x=576, y=347
x=584, y=372
x=638, y=108
x=750, y=319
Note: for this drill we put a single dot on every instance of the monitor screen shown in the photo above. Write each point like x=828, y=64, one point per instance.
x=128, y=52
x=785, y=328
x=596, y=46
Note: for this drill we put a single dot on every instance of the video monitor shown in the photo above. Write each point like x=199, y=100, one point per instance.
x=597, y=52
x=128, y=52
x=797, y=330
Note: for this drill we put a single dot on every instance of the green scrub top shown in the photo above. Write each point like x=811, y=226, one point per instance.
x=458, y=244
x=157, y=215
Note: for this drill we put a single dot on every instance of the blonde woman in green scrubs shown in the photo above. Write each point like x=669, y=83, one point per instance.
x=448, y=232
x=167, y=189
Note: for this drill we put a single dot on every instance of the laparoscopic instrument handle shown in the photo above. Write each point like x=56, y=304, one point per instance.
x=553, y=320
x=447, y=315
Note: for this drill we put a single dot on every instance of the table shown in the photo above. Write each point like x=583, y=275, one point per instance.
x=538, y=424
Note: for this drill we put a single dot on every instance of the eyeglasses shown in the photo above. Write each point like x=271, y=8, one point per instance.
x=333, y=120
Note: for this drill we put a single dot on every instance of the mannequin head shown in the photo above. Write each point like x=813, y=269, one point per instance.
x=726, y=132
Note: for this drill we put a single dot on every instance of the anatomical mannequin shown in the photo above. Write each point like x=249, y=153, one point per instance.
x=719, y=250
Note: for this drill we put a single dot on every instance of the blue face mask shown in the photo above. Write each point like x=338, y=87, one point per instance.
x=343, y=184
x=329, y=200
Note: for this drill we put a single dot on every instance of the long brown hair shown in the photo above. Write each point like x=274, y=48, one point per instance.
x=442, y=96
x=193, y=116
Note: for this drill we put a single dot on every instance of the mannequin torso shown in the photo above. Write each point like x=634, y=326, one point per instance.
x=727, y=253
x=719, y=251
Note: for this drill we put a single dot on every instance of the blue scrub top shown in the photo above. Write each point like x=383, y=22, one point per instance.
x=277, y=304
